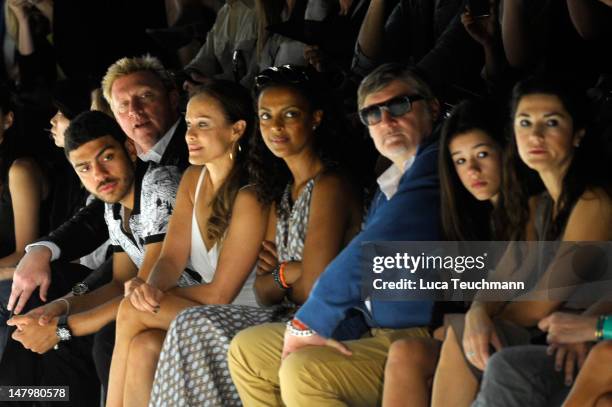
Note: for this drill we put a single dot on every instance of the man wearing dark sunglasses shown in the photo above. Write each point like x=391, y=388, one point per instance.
x=399, y=110
x=398, y=119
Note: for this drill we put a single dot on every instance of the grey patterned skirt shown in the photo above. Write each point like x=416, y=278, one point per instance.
x=192, y=368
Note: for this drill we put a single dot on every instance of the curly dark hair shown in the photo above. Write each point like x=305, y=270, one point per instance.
x=587, y=169
x=269, y=173
x=463, y=216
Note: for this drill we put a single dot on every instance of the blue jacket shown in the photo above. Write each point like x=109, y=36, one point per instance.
x=412, y=214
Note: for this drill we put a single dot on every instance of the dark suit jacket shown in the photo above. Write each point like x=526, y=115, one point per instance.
x=87, y=230
x=412, y=214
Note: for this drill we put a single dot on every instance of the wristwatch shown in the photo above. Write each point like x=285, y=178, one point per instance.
x=63, y=330
x=80, y=289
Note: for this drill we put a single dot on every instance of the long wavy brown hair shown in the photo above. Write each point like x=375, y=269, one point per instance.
x=236, y=104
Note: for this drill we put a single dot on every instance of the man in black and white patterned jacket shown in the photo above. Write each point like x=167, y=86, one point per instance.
x=139, y=199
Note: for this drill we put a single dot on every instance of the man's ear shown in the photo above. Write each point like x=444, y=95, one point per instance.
x=238, y=130
x=130, y=147
x=9, y=119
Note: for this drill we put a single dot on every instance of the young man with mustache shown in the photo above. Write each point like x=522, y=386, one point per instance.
x=138, y=201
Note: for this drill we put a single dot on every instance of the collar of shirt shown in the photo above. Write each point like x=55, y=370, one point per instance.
x=157, y=152
x=388, y=182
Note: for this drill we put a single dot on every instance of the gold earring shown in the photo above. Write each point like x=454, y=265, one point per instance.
x=231, y=154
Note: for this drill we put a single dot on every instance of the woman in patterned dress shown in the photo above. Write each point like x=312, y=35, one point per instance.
x=314, y=211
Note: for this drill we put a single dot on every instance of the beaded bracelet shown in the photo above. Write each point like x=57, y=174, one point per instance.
x=276, y=277
x=296, y=328
x=279, y=276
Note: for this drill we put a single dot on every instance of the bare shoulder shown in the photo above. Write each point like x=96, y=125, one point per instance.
x=246, y=200
x=24, y=166
x=333, y=183
x=595, y=201
x=190, y=177
x=336, y=192
x=24, y=170
x=192, y=173
x=596, y=194
x=591, y=217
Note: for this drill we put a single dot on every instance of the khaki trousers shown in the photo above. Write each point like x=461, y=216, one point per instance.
x=312, y=376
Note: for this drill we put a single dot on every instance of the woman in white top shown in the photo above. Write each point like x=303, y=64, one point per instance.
x=200, y=238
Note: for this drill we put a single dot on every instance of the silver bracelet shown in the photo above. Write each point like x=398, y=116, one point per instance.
x=293, y=331
x=67, y=305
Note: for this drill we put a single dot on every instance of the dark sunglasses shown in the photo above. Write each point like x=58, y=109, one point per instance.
x=396, y=107
x=293, y=74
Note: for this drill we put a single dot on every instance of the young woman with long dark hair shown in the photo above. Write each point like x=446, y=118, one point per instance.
x=470, y=168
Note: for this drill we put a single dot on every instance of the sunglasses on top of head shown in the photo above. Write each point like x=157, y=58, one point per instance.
x=396, y=107
x=293, y=74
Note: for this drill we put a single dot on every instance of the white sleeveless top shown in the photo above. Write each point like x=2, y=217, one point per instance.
x=204, y=261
